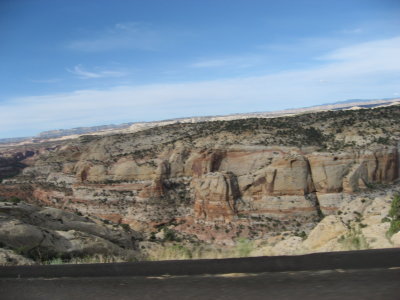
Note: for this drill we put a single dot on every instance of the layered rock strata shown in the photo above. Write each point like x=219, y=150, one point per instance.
x=236, y=185
x=249, y=182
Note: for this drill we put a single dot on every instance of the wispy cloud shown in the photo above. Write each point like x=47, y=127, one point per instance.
x=357, y=30
x=367, y=70
x=244, y=61
x=82, y=73
x=131, y=35
x=367, y=58
x=307, y=45
x=210, y=63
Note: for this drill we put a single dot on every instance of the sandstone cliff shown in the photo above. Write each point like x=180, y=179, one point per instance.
x=219, y=180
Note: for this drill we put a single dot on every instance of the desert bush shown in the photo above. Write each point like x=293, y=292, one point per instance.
x=354, y=240
x=14, y=199
x=171, y=252
x=243, y=247
x=126, y=227
x=394, y=215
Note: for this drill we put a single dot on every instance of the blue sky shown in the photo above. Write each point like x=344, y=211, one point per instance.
x=82, y=63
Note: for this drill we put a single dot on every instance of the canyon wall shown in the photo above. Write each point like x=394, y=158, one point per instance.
x=229, y=180
x=207, y=186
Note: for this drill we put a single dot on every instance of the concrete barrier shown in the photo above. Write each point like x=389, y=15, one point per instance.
x=365, y=259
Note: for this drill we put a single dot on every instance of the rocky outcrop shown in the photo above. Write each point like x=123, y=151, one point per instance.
x=336, y=175
x=349, y=172
x=325, y=234
x=46, y=233
x=215, y=196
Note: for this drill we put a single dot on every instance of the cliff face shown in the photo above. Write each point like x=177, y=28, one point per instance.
x=263, y=176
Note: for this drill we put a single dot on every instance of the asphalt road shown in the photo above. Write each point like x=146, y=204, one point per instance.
x=374, y=284
x=369, y=274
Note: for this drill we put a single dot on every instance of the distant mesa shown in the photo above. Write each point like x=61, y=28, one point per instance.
x=138, y=126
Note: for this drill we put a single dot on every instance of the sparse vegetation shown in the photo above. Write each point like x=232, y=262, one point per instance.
x=243, y=247
x=170, y=235
x=354, y=240
x=126, y=227
x=394, y=215
x=54, y=261
x=90, y=259
x=14, y=200
x=302, y=234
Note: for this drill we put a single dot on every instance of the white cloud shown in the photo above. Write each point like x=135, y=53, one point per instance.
x=368, y=70
x=79, y=71
x=129, y=35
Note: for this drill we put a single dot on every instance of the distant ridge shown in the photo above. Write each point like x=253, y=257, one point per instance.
x=138, y=126
x=355, y=100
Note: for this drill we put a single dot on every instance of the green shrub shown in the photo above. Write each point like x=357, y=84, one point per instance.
x=394, y=211
x=394, y=227
x=370, y=185
x=353, y=240
x=170, y=236
x=22, y=250
x=394, y=214
x=302, y=234
x=126, y=227
x=243, y=247
x=168, y=252
x=14, y=199
x=54, y=261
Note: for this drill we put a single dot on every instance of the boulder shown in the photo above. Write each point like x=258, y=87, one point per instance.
x=395, y=239
x=328, y=230
x=289, y=246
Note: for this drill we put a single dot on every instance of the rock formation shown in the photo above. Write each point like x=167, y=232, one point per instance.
x=243, y=177
x=46, y=233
